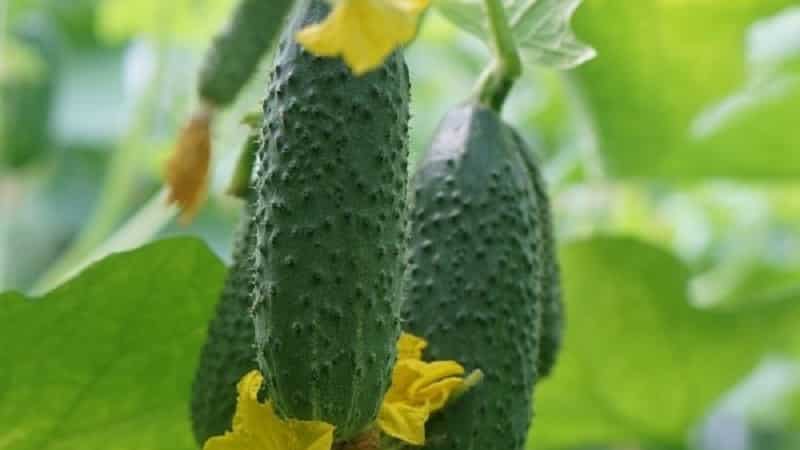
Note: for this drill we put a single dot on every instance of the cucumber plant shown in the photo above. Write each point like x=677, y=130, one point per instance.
x=331, y=219
x=482, y=280
x=232, y=59
x=332, y=262
x=472, y=289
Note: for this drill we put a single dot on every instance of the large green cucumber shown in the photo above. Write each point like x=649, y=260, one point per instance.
x=553, y=309
x=472, y=282
x=229, y=350
x=331, y=218
x=237, y=50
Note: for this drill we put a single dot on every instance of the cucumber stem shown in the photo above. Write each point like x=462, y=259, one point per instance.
x=473, y=379
x=240, y=181
x=497, y=79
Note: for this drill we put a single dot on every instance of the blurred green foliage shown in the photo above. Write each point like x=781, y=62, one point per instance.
x=672, y=157
x=178, y=20
x=640, y=364
x=666, y=63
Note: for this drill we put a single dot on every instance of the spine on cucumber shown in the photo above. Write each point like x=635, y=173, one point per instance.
x=473, y=247
x=237, y=50
x=229, y=352
x=550, y=276
x=331, y=229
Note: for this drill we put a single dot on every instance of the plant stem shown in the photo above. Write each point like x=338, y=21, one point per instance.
x=240, y=181
x=497, y=79
x=473, y=379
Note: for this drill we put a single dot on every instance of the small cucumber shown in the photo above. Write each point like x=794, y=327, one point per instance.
x=331, y=229
x=473, y=283
x=237, y=50
x=229, y=351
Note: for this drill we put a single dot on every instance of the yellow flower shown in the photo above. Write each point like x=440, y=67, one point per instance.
x=418, y=389
x=410, y=347
x=363, y=32
x=187, y=168
x=257, y=427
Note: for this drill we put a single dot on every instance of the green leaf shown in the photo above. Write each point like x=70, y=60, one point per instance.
x=106, y=360
x=21, y=62
x=540, y=27
x=639, y=363
x=468, y=15
x=766, y=282
x=543, y=33
x=664, y=66
x=183, y=20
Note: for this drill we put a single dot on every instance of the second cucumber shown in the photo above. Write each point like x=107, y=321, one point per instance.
x=474, y=278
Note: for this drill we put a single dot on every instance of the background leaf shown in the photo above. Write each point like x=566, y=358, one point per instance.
x=106, y=360
x=639, y=363
x=664, y=65
x=541, y=28
x=543, y=33
x=468, y=15
x=185, y=20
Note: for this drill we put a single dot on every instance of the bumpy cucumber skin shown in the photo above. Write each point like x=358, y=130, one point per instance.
x=229, y=350
x=473, y=247
x=553, y=309
x=331, y=233
x=237, y=50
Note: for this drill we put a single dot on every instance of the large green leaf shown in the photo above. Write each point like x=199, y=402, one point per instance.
x=541, y=28
x=663, y=66
x=106, y=360
x=639, y=363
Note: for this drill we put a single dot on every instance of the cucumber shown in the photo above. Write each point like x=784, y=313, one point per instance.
x=229, y=350
x=472, y=282
x=237, y=50
x=331, y=232
x=553, y=309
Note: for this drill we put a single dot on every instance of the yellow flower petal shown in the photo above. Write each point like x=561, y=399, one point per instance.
x=436, y=371
x=410, y=346
x=437, y=394
x=404, y=422
x=230, y=441
x=187, y=169
x=250, y=384
x=310, y=435
x=363, y=32
x=418, y=389
x=256, y=426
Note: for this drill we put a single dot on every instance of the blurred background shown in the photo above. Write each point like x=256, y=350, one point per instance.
x=675, y=152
